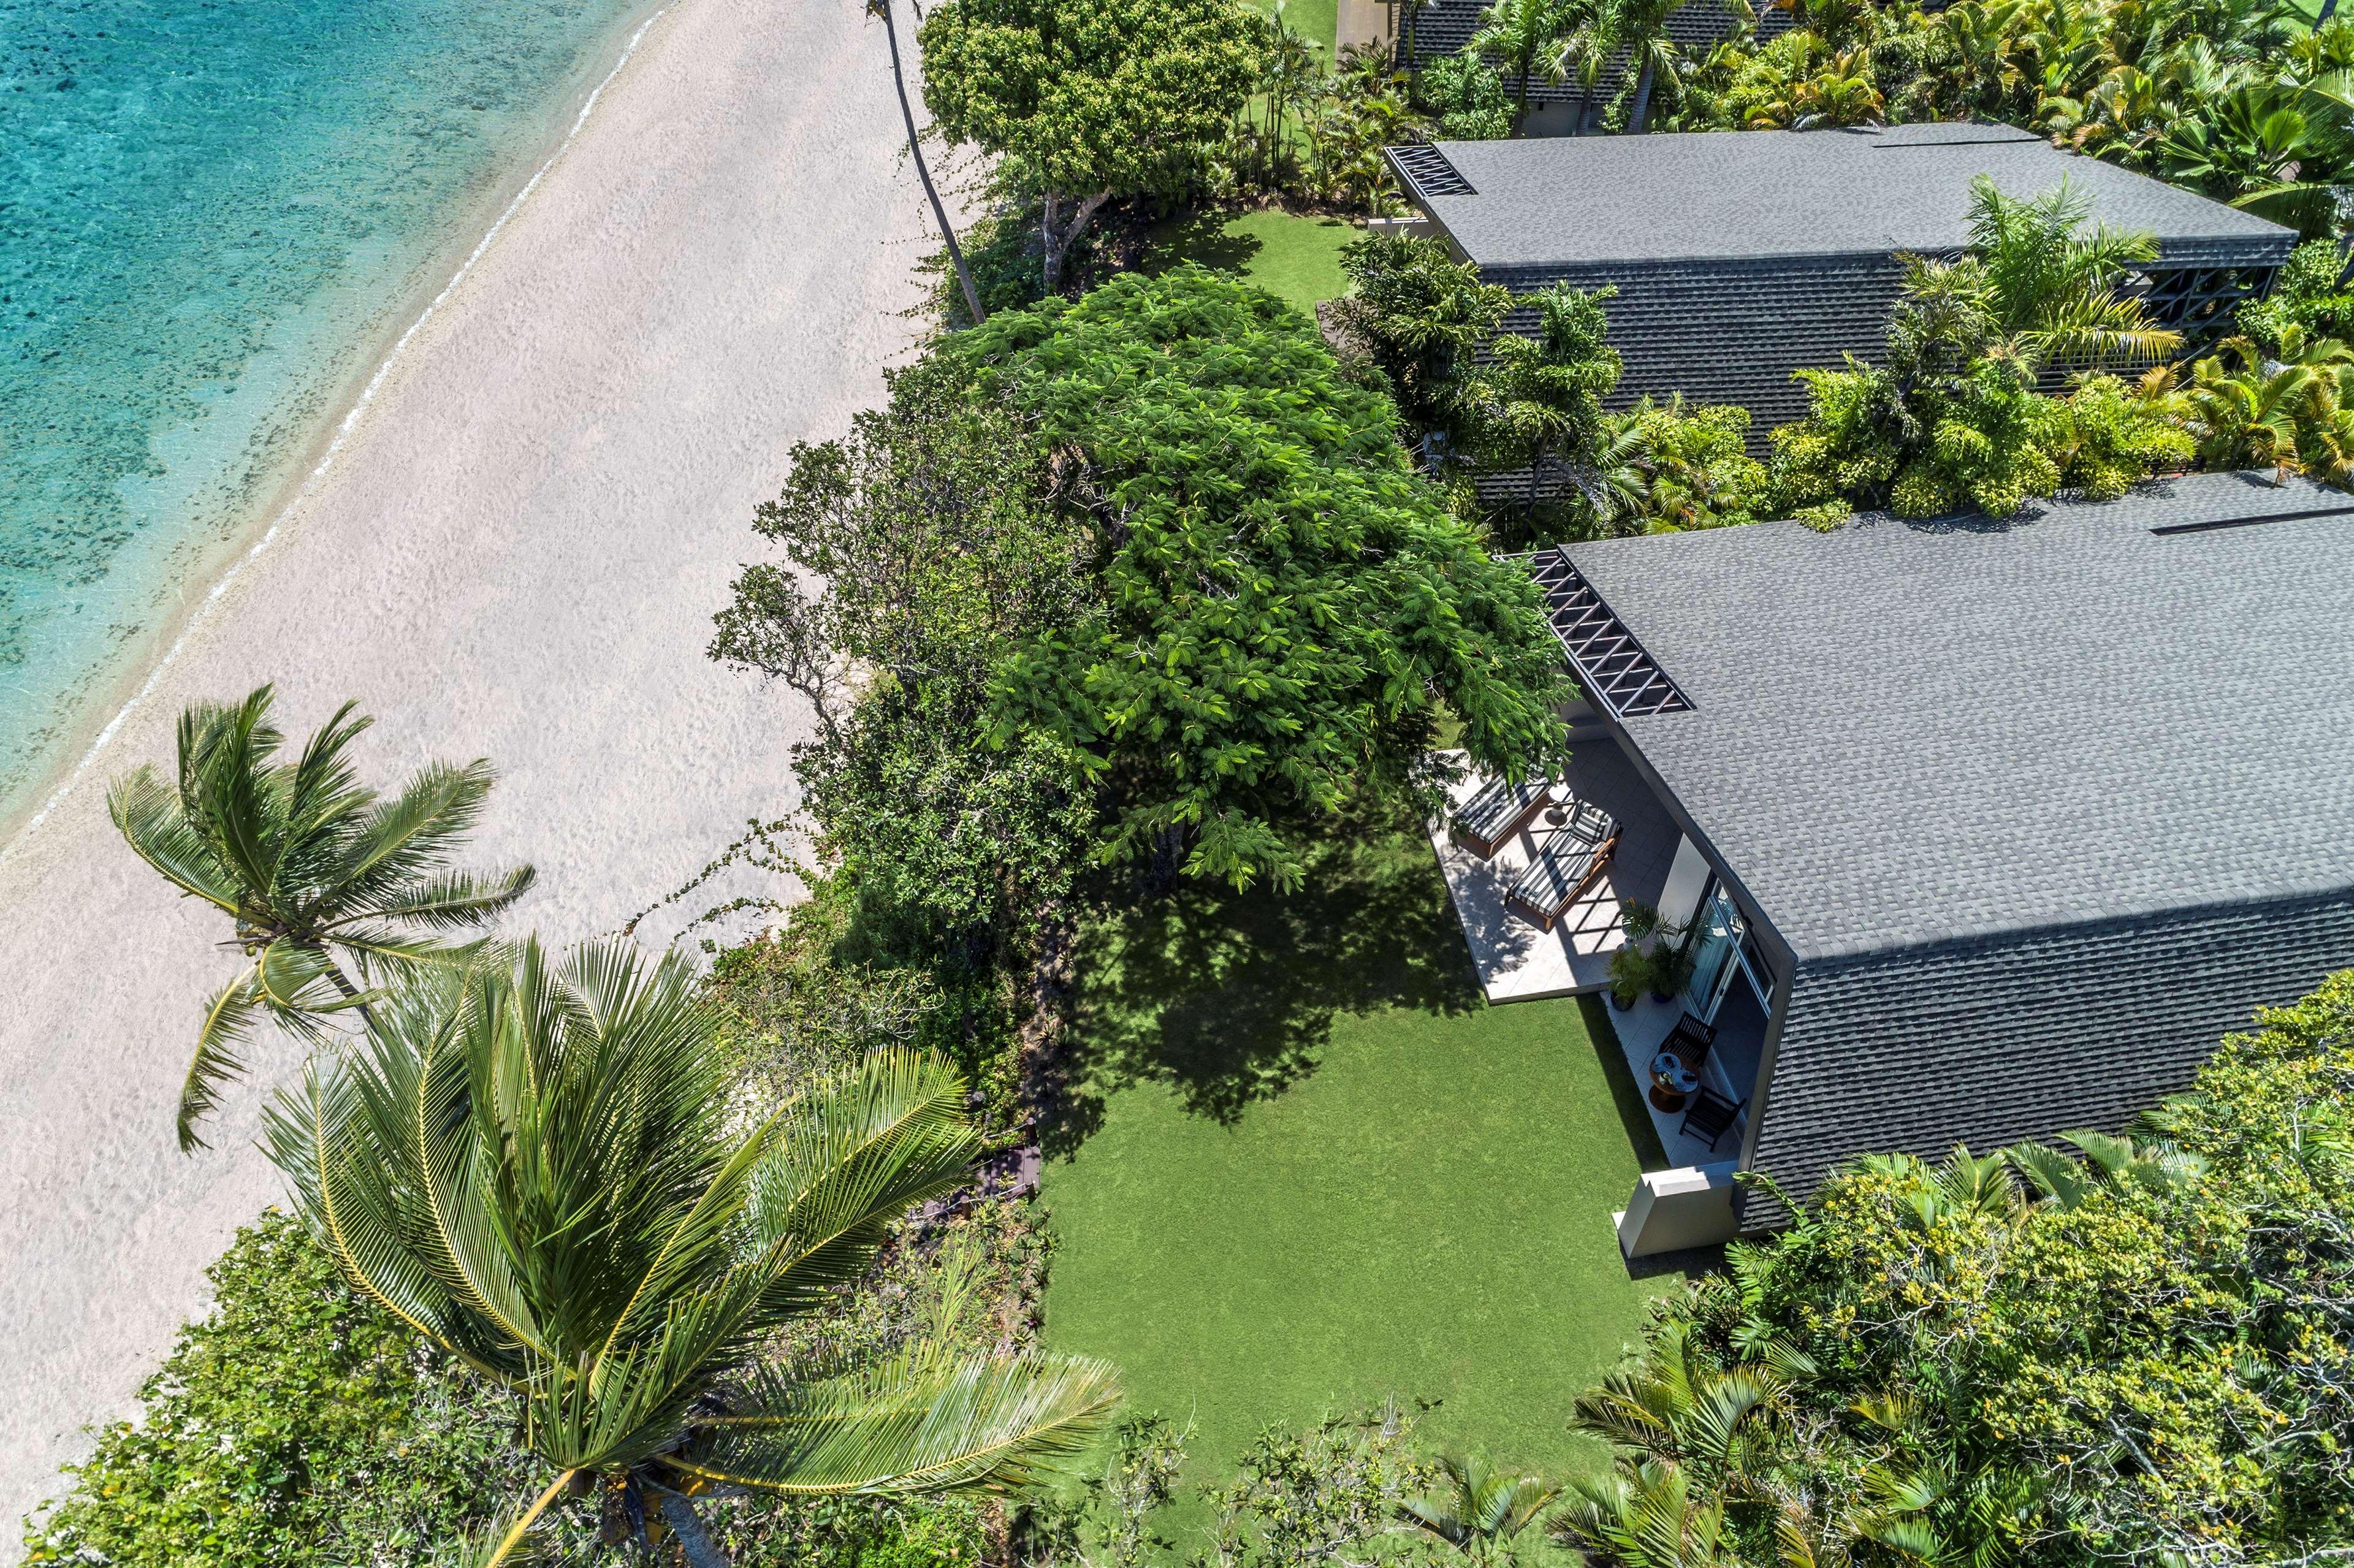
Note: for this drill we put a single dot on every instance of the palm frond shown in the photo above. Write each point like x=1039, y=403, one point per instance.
x=149, y=819
x=851, y=1158
x=919, y=1422
x=217, y=1063
x=448, y=901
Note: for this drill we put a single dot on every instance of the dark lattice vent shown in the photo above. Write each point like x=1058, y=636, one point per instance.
x=1612, y=667
x=1425, y=168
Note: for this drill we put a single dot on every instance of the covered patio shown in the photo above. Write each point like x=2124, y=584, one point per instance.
x=1729, y=1069
x=1517, y=959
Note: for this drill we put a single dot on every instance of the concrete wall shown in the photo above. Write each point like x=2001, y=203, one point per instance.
x=1674, y=1210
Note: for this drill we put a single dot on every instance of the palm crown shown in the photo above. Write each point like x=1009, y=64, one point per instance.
x=307, y=862
x=534, y=1166
x=2054, y=289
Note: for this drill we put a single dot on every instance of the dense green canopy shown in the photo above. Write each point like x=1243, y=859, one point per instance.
x=1286, y=611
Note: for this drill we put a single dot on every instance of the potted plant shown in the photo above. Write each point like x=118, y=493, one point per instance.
x=1628, y=970
x=1640, y=921
x=1667, y=969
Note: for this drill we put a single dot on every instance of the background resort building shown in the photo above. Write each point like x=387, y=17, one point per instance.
x=1741, y=257
x=1984, y=832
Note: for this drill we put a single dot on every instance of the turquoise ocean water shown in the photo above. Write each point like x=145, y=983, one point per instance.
x=214, y=214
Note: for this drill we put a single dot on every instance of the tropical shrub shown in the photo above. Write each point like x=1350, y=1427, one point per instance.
x=1329, y=1493
x=1693, y=465
x=2120, y=435
x=2293, y=415
x=2141, y=1351
x=295, y=1424
x=1468, y=98
x=1281, y=611
x=2309, y=294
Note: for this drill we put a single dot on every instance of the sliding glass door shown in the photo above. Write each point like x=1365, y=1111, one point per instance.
x=1721, y=950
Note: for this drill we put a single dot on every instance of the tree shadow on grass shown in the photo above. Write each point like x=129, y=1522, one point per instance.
x=1626, y=1094
x=1229, y=998
x=1202, y=238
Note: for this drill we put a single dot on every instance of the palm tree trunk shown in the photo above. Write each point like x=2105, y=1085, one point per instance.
x=695, y=1541
x=1642, y=107
x=1521, y=112
x=915, y=149
x=2328, y=8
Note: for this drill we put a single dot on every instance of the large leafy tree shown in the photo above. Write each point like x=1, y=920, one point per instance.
x=307, y=862
x=1089, y=101
x=1284, y=611
x=536, y=1167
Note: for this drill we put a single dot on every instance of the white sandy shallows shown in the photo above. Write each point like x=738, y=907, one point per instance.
x=514, y=553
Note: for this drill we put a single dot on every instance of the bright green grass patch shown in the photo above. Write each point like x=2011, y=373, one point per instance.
x=1285, y=253
x=1309, y=1168
x=1319, y=21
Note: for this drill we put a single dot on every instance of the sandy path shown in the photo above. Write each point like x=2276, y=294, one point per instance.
x=515, y=555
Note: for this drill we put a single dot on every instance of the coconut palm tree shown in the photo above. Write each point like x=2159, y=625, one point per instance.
x=538, y=1167
x=1478, y=1511
x=307, y=863
x=1520, y=33
x=916, y=150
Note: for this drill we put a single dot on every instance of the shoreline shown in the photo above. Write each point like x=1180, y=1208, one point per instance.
x=512, y=552
x=90, y=718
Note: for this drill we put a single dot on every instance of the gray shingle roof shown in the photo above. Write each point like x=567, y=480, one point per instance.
x=1907, y=733
x=1565, y=201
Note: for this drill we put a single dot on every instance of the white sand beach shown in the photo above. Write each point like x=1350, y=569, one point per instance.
x=514, y=553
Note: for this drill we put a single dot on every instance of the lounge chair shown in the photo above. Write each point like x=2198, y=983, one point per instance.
x=1711, y=1116
x=1490, y=819
x=1573, y=855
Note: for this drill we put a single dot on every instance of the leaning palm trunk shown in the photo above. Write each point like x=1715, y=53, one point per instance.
x=916, y=150
x=535, y=1169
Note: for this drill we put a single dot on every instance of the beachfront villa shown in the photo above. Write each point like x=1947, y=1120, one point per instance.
x=1741, y=258
x=1970, y=832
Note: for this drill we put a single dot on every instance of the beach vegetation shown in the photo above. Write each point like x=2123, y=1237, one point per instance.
x=920, y=551
x=1084, y=104
x=2125, y=1350
x=297, y=1424
x=536, y=1168
x=310, y=866
x=301, y=1424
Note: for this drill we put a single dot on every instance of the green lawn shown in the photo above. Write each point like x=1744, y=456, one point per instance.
x=1309, y=1168
x=1285, y=253
x=1319, y=21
